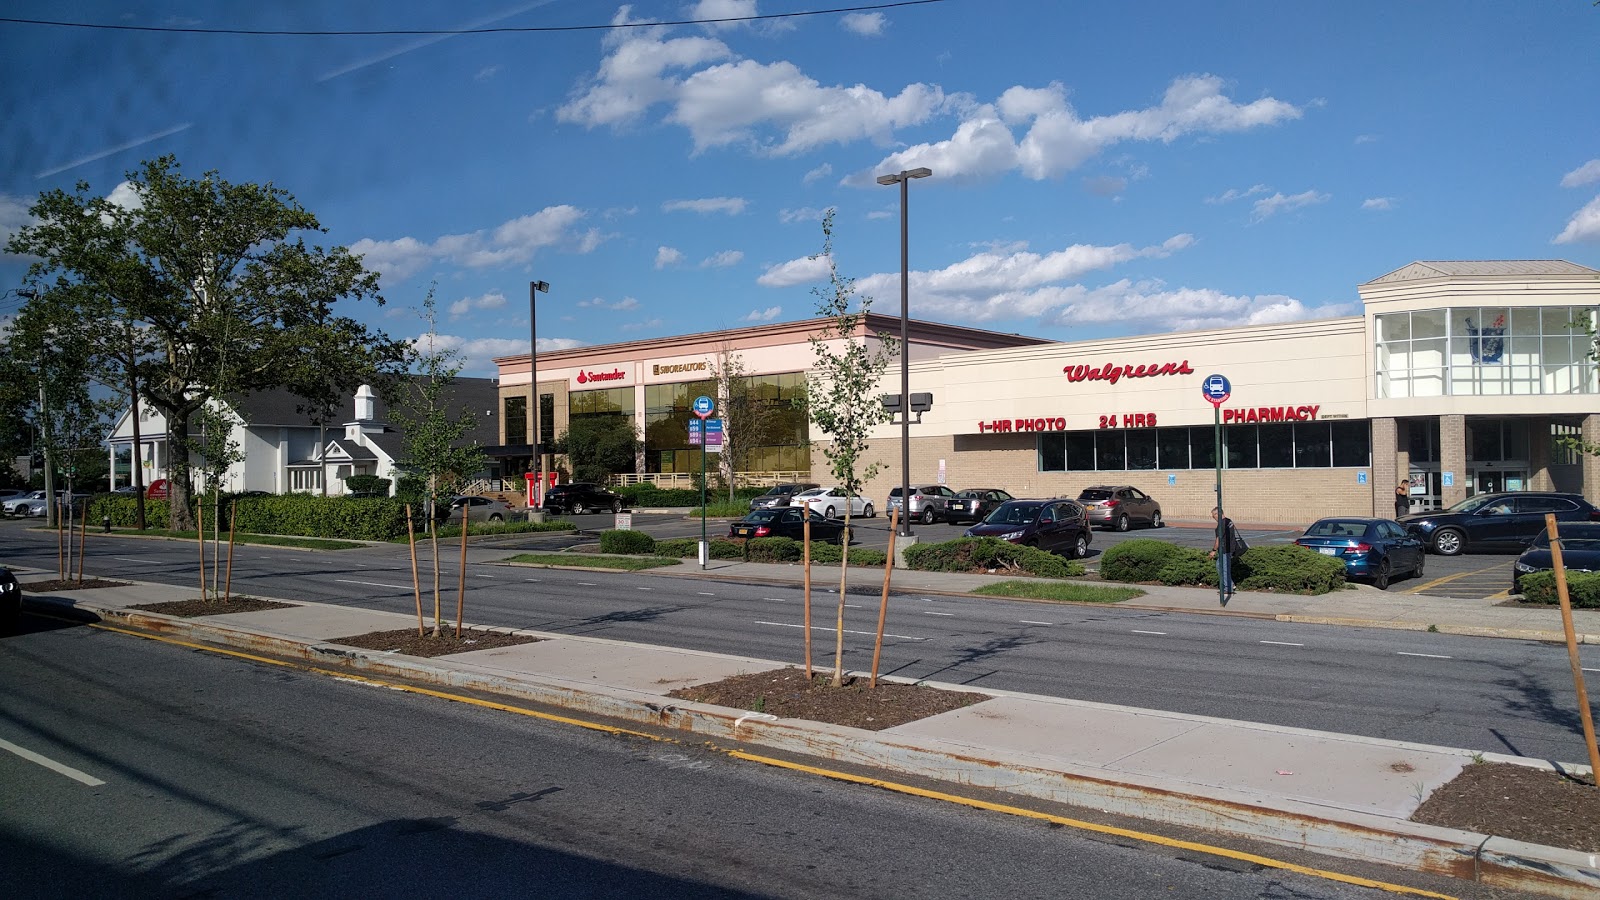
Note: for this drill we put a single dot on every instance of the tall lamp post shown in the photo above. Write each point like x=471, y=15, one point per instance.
x=534, y=287
x=904, y=179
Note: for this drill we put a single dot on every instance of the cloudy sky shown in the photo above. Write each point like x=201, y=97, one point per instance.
x=1098, y=169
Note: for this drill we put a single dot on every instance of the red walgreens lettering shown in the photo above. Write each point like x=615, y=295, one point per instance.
x=1114, y=373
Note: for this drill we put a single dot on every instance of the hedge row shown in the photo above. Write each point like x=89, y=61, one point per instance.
x=1285, y=569
x=1583, y=589
x=304, y=515
x=767, y=549
x=966, y=554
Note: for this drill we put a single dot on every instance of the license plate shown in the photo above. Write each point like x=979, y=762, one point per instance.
x=741, y=532
x=1328, y=551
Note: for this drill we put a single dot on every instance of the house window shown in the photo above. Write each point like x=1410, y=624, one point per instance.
x=305, y=479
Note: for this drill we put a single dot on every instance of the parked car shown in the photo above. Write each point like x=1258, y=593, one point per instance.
x=479, y=509
x=10, y=494
x=1580, y=552
x=1119, y=506
x=928, y=502
x=832, y=502
x=788, y=522
x=18, y=506
x=1375, y=550
x=780, y=494
x=973, y=504
x=125, y=489
x=10, y=602
x=577, y=496
x=1503, y=520
x=1060, y=526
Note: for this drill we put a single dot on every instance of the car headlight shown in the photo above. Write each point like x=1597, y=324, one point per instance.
x=1521, y=566
x=1011, y=536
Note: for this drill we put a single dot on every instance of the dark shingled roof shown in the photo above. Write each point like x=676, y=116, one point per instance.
x=481, y=396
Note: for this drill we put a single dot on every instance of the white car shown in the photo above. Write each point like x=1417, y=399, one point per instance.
x=18, y=506
x=831, y=502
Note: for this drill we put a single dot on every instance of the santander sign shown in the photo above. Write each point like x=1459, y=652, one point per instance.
x=585, y=377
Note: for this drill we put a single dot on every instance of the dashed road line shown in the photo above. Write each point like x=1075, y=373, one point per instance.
x=903, y=637
x=398, y=587
x=926, y=613
x=1425, y=655
x=705, y=593
x=1027, y=622
x=1137, y=631
x=52, y=765
x=1280, y=643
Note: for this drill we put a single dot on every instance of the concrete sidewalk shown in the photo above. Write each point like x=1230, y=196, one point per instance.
x=1337, y=794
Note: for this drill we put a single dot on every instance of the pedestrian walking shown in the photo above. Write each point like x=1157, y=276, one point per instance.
x=1228, y=537
x=1402, y=498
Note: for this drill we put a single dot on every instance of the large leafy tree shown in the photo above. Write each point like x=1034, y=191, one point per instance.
x=842, y=393
x=598, y=447
x=201, y=289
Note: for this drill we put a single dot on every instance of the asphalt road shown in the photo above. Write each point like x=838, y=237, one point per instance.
x=1482, y=694
x=134, y=768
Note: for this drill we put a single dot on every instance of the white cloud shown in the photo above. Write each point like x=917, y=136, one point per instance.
x=764, y=315
x=1058, y=140
x=723, y=9
x=822, y=171
x=126, y=196
x=864, y=24
x=1584, y=225
x=880, y=214
x=1233, y=194
x=1378, y=203
x=804, y=270
x=1366, y=139
x=1267, y=207
x=590, y=240
x=13, y=216
x=510, y=243
x=668, y=256
x=1588, y=173
x=601, y=303
x=638, y=73
x=477, y=355
x=803, y=214
x=730, y=205
x=492, y=300
x=722, y=260
x=486, y=73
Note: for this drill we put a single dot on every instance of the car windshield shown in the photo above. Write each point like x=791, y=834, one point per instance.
x=1574, y=536
x=1013, y=514
x=971, y=495
x=762, y=516
x=1095, y=495
x=1337, y=528
x=1471, y=504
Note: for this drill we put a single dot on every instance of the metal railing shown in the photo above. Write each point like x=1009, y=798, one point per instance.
x=686, y=480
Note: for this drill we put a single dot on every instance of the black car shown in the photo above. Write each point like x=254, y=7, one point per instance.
x=1504, y=520
x=1580, y=552
x=788, y=522
x=578, y=496
x=973, y=504
x=1060, y=526
x=780, y=494
x=1376, y=550
x=10, y=602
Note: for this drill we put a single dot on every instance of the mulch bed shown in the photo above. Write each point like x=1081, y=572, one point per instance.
x=189, y=609
x=407, y=641
x=787, y=693
x=44, y=587
x=1518, y=802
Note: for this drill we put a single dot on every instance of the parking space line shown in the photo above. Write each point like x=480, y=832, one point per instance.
x=1449, y=578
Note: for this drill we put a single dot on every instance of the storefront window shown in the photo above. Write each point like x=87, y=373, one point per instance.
x=1141, y=449
x=1312, y=445
x=1352, y=443
x=1080, y=451
x=1304, y=445
x=1239, y=442
x=1203, y=447
x=1484, y=351
x=516, y=419
x=1173, y=446
x=1053, y=453
x=780, y=445
x=1111, y=450
x=1277, y=446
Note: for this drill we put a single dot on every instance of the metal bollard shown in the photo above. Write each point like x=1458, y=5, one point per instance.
x=106, y=524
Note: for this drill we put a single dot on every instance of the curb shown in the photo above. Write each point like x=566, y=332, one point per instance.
x=1459, y=854
x=1522, y=634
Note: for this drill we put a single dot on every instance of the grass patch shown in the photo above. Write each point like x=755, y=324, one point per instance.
x=270, y=540
x=595, y=561
x=1075, y=593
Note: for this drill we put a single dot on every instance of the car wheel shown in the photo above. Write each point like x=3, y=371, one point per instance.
x=927, y=515
x=1121, y=524
x=866, y=511
x=828, y=513
x=616, y=506
x=1080, y=547
x=844, y=536
x=1421, y=559
x=1381, y=579
x=1155, y=519
x=496, y=519
x=1449, y=542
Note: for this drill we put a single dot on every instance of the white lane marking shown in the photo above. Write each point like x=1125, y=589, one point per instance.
x=398, y=587
x=1281, y=643
x=776, y=599
x=1592, y=670
x=644, y=589
x=587, y=584
x=904, y=637
x=1137, y=631
x=51, y=764
x=143, y=562
x=476, y=575
x=926, y=613
x=531, y=579
x=1425, y=655
x=705, y=593
x=1027, y=622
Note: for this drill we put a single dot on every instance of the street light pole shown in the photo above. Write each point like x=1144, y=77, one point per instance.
x=904, y=180
x=534, y=287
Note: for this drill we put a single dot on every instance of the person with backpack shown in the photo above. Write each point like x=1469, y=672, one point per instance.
x=1227, y=536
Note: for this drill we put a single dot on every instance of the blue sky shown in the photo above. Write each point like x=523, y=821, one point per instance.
x=1098, y=169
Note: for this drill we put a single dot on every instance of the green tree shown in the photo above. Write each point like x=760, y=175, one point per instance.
x=843, y=395
x=201, y=288
x=436, y=451
x=597, y=447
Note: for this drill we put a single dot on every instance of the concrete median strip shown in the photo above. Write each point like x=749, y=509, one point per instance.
x=1335, y=794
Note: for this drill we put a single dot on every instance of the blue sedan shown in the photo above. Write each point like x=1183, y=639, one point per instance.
x=1374, y=550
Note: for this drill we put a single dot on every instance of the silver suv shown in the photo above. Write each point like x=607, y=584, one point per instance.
x=929, y=502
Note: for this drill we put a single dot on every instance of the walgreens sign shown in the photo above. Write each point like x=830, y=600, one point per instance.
x=1114, y=373
x=589, y=376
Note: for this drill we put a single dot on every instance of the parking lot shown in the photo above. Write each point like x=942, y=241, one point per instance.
x=1471, y=576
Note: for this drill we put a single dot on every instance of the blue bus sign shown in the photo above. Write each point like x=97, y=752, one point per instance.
x=703, y=406
x=1216, y=389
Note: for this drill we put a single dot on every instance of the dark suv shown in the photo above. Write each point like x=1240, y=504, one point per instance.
x=780, y=494
x=1060, y=526
x=1506, y=520
x=577, y=496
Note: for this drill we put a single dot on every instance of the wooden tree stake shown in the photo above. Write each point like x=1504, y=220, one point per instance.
x=416, y=583
x=883, y=605
x=1572, y=648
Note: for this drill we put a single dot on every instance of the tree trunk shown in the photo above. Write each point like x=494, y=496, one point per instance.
x=179, y=517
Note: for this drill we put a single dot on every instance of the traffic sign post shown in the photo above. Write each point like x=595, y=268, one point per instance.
x=703, y=407
x=1216, y=389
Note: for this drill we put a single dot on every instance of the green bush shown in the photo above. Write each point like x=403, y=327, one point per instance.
x=773, y=549
x=1583, y=589
x=859, y=556
x=966, y=554
x=682, y=548
x=303, y=515
x=1189, y=566
x=627, y=542
x=368, y=484
x=1288, y=569
x=1138, y=560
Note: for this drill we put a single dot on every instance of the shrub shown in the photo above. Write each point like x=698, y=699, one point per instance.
x=1583, y=589
x=368, y=484
x=859, y=556
x=773, y=549
x=681, y=548
x=966, y=554
x=1188, y=566
x=626, y=542
x=1288, y=569
x=1140, y=560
